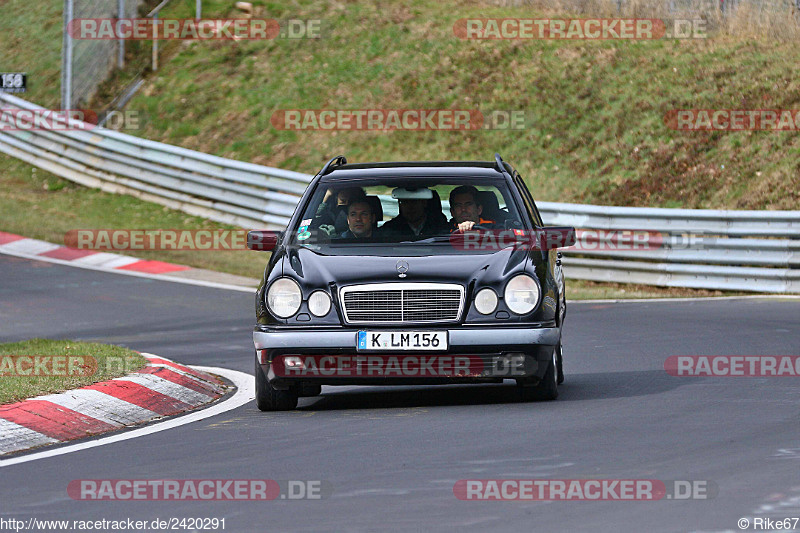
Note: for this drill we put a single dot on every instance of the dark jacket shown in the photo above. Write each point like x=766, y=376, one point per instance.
x=399, y=228
x=375, y=237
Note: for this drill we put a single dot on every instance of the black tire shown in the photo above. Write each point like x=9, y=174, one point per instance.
x=560, y=364
x=547, y=388
x=269, y=398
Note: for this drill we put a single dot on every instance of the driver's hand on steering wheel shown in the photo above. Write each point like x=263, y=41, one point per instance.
x=465, y=226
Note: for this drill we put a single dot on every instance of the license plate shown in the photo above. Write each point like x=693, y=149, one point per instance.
x=402, y=340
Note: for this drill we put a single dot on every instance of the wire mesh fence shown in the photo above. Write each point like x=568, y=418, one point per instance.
x=87, y=63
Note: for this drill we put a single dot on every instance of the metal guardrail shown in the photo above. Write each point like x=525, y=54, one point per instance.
x=709, y=221
x=220, y=189
x=731, y=250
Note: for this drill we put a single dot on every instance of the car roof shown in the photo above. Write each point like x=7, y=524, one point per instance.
x=415, y=168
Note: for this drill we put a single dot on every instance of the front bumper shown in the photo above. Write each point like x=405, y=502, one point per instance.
x=473, y=354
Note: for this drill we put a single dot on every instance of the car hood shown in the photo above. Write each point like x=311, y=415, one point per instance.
x=320, y=270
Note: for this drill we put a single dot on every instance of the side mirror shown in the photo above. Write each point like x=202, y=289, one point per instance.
x=263, y=241
x=554, y=237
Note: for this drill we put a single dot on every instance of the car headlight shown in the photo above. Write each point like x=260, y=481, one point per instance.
x=486, y=301
x=284, y=297
x=319, y=303
x=522, y=294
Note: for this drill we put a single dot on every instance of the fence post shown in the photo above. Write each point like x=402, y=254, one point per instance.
x=155, y=42
x=121, y=51
x=66, y=58
x=199, y=10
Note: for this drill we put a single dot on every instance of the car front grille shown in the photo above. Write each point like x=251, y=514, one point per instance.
x=399, y=303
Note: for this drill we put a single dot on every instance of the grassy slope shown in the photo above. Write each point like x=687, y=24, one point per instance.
x=595, y=109
x=30, y=41
x=112, y=361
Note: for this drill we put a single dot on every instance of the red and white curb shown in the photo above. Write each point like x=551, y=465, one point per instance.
x=162, y=388
x=19, y=245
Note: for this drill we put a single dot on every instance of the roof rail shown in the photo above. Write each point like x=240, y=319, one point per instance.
x=337, y=161
x=499, y=162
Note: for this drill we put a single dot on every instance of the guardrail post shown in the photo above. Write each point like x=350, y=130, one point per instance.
x=66, y=60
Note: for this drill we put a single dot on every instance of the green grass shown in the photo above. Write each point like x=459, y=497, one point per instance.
x=595, y=129
x=30, y=41
x=92, y=363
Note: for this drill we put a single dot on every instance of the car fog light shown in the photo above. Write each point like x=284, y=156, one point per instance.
x=486, y=301
x=319, y=303
x=293, y=361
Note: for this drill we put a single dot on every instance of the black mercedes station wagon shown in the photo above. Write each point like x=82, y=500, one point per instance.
x=410, y=273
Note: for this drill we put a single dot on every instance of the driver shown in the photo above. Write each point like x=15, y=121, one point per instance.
x=466, y=209
x=360, y=221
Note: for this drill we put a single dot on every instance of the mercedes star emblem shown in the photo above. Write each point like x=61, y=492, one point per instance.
x=402, y=268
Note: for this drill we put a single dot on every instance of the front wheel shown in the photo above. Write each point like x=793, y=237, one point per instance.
x=547, y=388
x=269, y=398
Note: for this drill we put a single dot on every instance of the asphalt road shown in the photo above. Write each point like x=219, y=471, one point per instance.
x=390, y=456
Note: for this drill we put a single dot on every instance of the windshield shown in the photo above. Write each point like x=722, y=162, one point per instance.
x=403, y=211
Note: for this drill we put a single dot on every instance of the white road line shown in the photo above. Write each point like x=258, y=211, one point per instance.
x=245, y=393
x=14, y=437
x=167, y=387
x=102, y=406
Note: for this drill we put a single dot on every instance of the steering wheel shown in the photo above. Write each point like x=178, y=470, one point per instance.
x=480, y=227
